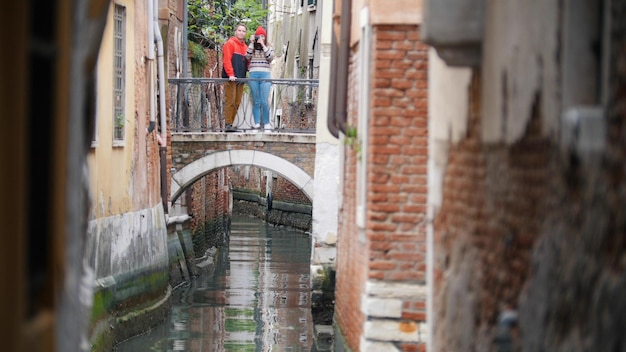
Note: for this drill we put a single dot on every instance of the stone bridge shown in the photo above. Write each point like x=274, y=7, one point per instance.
x=291, y=155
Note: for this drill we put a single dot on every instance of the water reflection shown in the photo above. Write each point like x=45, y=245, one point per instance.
x=258, y=298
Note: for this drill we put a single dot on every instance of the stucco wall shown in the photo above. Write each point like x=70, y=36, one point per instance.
x=127, y=235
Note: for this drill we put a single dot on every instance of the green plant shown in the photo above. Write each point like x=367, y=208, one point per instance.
x=120, y=121
x=211, y=23
x=199, y=59
x=352, y=140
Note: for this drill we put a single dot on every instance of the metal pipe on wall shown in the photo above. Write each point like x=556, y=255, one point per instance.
x=162, y=138
x=150, y=58
x=340, y=62
x=161, y=80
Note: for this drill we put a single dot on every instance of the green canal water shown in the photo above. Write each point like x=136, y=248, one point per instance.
x=257, y=299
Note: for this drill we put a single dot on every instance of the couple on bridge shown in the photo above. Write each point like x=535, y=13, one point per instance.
x=240, y=58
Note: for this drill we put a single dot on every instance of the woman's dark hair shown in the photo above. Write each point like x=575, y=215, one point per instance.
x=267, y=43
x=258, y=46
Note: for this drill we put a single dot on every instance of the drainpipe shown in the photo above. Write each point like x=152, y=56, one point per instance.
x=150, y=58
x=162, y=138
x=161, y=75
x=337, y=107
x=330, y=121
x=184, y=41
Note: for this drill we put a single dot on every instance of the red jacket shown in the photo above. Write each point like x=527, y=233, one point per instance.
x=235, y=62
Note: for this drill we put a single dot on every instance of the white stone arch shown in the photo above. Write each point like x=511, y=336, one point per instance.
x=189, y=174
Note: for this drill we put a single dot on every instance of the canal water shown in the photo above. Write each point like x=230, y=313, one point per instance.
x=257, y=299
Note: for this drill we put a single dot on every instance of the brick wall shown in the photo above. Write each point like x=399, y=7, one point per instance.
x=300, y=154
x=392, y=249
x=398, y=155
x=285, y=191
x=493, y=200
x=351, y=251
x=248, y=178
x=208, y=203
x=535, y=225
x=146, y=187
x=254, y=179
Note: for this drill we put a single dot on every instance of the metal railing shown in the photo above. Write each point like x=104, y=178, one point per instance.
x=197, y=105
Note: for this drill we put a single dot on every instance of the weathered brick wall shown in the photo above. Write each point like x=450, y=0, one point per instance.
x=398, y=155
x=147, y=163
x=352, y=255
x=209, y=216
x=172, y=15
x=254, y=179
x=170, y=23
x=574, y=299
x=493, y=202
x=392, y=249
x=250, y=178
x=300, y=154
x=537, y=227
x=285, y=191
x=209, y=207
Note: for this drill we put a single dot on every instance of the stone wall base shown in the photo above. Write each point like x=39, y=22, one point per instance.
x=298, y=216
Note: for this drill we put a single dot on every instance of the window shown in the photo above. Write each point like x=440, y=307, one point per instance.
x=119, y=71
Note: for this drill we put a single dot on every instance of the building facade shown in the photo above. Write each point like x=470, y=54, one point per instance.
x=127, y=237
x=526, y=176
x=381, y=242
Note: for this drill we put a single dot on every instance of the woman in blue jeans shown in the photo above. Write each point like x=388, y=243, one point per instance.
x=260, y=54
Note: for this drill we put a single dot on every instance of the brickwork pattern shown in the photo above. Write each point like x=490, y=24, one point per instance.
x=537, y=227
x=493, y=201
x=254, y=179
x=285, y=191
x=352, y=256
x=300, y=154
x=209, y=199
x=208, y=204
x=574, y=297
x=398, y=155
x=393, y=248
x=248, y=178
x=146, y=187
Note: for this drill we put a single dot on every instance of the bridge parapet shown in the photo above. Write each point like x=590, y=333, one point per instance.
x=290, y=155
x=197, y=105
x=296, y=148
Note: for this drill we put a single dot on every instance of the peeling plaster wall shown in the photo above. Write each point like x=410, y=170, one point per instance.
x=526, y=185
x=520, y=60
x=128, y=243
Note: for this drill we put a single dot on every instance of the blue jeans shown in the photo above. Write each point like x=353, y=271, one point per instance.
x=260, y=95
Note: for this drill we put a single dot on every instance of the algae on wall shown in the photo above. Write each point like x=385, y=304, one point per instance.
x=129, y=256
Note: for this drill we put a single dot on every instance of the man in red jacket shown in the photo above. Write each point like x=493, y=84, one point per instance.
x=235, y=66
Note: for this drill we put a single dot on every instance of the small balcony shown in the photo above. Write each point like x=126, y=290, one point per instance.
x=197, y=105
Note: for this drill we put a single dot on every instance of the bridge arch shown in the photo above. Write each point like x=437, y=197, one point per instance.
x=189, y=174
